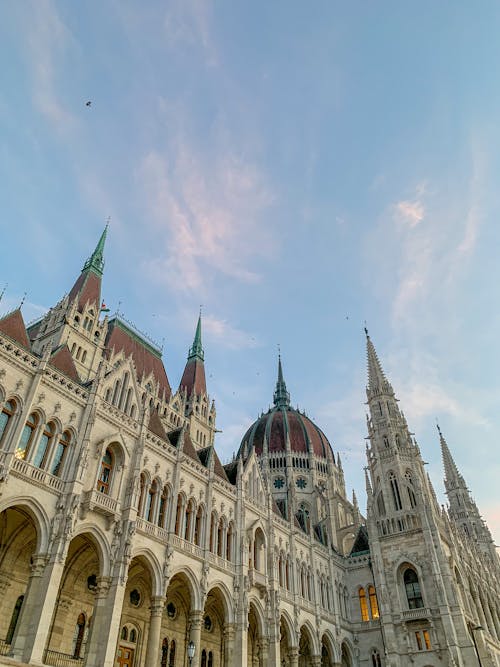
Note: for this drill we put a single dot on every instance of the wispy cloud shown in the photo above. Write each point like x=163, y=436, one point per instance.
x=47, y=40
x=221, y=331
x=189, y=23
x=207, y=214
x=410, y=212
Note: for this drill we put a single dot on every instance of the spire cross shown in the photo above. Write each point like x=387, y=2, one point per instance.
x=23, y=300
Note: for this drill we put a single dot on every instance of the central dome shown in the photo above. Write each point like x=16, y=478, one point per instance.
x=283, y=424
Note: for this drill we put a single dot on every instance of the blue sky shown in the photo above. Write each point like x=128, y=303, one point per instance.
x=297, y=168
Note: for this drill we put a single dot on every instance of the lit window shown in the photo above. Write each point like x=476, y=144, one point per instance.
x=373, y=602
x=363, y=605
x=427, y=640
x=105, y=474
x=26, y=436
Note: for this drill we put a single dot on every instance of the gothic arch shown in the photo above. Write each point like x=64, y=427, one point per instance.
x=154, y=567
x=312, y=637
x=193, y=585
x=287, y=623
x=37, y=514
x=328, y=640
x=220, y=588
x=98, y=539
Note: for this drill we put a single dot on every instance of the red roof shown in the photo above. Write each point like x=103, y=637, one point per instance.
x=12, y=325
x=62, y=359
x=146, y=360
x=304, y=435
x=155, y=425
x=193, y=378
x=87, y=289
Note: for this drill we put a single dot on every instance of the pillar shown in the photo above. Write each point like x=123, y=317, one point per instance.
x=316, y=661
x=34, y=624
x=153, y=646
x=263, y=645
x=293, y=656
x=101, y=645
x=195, y=620
x=229, y=648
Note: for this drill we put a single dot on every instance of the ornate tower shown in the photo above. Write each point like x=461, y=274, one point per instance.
x=462, y=508
x=418, y=604
x=200, y=411
x=74, y=321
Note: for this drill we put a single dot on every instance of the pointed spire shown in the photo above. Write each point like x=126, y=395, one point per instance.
x=451, y=474
x=196, y=351
x=95, y=262
x=376, y=376
x=368, y=484
x=281, y=395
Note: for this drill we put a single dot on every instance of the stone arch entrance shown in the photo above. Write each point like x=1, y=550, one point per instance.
x=327, y=652
x=346, y=659
x=254, y=637
x=74, y=609
x=213, y=625
x=176, y=622
x=18, y=538
x=306, y=650
x=286, y=641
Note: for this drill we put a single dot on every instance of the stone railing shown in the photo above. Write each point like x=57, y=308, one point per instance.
x=100, y=502
x=57, y=659
x=4, y=647
x=186, y=547
x=415, y=614
x=151, y=529
x=41, y=477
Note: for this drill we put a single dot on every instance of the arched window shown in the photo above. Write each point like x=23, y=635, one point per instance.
x=411, y=492
x=381, y=504
x=386, y=441
x=229, y=542
x=43, y=448
x=412, y=589
x=26, y=436
x=210, y=659
x=303, y=518
x=188, y=520
x=376, y=658
x=133, y=635
x=220, y=534
x=124, y=633
x=213, y=521
x=178, y=515
x=150, y=502
x=395, y=491
x=171, y=661
x=84, y=356
x=204, y=658
x=162, y=511
x=5, y=416
x=363, y=605
x=198, y=526
x=60, y=453
x=79, y=634
x=104, y=481
x=164, y=652
x=13, y=619
x=373, y=602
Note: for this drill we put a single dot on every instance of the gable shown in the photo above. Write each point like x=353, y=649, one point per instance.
x=12, y=325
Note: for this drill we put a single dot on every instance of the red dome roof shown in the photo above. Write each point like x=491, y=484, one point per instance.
x=281, y=421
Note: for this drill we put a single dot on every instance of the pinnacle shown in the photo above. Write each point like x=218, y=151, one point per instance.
x=196, y=351
x=376, y=376
x=451, y=473
x=281, y=395
x=96, y=261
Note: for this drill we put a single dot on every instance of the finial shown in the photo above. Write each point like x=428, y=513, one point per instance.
x=108, y=221
x=201, y=306
x=118, y=309
x=438, y=428
x=3, y=291
x=366, y=329
x=22, y=300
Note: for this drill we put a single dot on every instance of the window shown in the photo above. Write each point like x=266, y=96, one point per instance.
x=171, y=661
x=135, y=598
x=386, y=441
x=363, y=605
x=198, y=526
x=373, y=602
x=395, y=491
x=301, y=483
x=164, y=652
x=13, y=619
x=61, y=449
x=26, y=436
x=43, y=446
x=412, y=588
x=381, y=504
x=133, y=636
x=5, y=417
x=279, y=482
x=79, y=634
x=104, y=481
x=124, y=633
x=162, y=512
x=376, y=658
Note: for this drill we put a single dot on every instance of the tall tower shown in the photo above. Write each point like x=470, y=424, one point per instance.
x=462, y=508
x=74, y=321
x=198, y=408
x=418, y=605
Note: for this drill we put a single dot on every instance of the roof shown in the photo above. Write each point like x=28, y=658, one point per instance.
x=12, y=325
x=87, y=289
x=193, y=378
x=62, y=360
x=146, y=358
x=283, y=421
x=155, y=425
x=361, y=544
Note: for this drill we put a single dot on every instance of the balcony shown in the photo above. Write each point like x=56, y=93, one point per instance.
x=257, y=579
x=95, y=501
x=152, y=530
x=4, y=647
x=40, y=477
x=57, y=659
x=416, y=614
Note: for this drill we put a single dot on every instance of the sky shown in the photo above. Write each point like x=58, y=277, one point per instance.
x=298, y=169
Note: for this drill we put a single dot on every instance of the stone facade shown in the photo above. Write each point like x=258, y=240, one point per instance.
x=123, y=538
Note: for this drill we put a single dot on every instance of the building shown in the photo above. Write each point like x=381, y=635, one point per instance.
x=123, y=538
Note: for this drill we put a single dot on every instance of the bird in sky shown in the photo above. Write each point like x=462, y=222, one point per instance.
x=88, y=103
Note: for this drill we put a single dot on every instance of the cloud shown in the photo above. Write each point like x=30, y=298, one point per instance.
x=222, y=332
x=189, y=23
x=409, y=212
x=47, y=40
x=207, y=215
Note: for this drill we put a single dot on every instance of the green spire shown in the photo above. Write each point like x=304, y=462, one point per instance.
x=95, y=262
x=281, y=395
x=196, y=351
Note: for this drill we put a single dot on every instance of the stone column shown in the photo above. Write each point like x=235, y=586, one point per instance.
x=153, y=647
x=489, y=619
x=101, y=645
x=293, y=656
x=32, y=632
x=229, y=639
x=263, y=645
x=195, y=619
x=316, y=661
